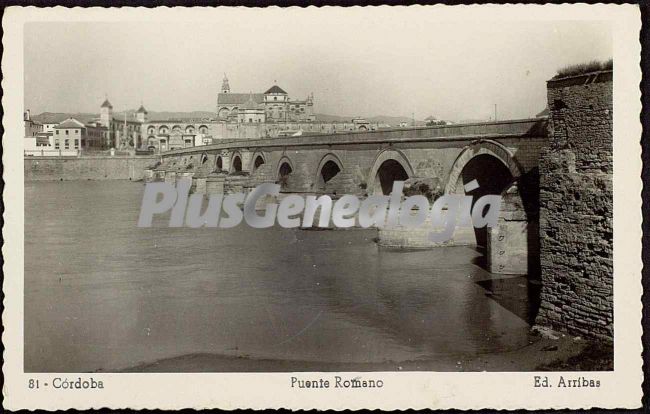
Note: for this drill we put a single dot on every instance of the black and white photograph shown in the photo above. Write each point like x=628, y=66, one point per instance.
x=331, y=194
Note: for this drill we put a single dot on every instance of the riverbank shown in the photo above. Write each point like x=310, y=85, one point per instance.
x=563, y=354
x=87, y=168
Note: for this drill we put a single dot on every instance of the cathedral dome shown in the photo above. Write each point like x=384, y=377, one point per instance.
x=250, y=103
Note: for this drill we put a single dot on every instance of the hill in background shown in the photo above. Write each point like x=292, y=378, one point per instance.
x=56, y=117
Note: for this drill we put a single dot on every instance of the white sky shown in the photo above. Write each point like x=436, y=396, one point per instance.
x=357, y=62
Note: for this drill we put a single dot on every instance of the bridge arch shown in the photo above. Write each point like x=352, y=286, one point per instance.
x=258, y=160
x=218, y=163
x=328, y=167
x=204, y=158
x=497, y=172
x=285, y=168
x=476, y=149
x=236, y=164
x=389, y=166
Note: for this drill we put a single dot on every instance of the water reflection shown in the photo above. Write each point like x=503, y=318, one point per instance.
x=103, y=294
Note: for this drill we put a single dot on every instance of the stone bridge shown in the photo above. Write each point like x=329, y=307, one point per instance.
x=555, y=175
x=502, y=156
x=364, y=162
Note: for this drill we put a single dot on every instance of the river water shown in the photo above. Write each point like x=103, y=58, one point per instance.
x=102, y=294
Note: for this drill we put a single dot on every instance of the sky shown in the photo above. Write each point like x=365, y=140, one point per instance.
x=356, y=61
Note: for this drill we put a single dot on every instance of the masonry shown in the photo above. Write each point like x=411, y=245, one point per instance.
x=576, y=207
x=86, y=168
x=502, y=156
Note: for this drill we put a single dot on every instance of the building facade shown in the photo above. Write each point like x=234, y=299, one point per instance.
x=239, y=116
x=31, y=127
x=69, y=134
x=272, y=106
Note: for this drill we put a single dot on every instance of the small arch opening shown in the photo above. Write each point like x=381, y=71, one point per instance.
x=283, y=175
x=259, y=161
x=329, y=170
x=493, y=177
x=389, y=172
x=236, y=164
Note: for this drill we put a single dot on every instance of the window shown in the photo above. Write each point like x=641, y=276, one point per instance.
x=76, y=131
x=76, y=144
x=66, y=132
x=57, y=132
x=67, y=143
x=275, y=98
x=56, y=143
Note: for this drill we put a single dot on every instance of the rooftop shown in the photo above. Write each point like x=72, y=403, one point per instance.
x=275, y=89
x=250, y=103
x=238, y=98
x=70, y=123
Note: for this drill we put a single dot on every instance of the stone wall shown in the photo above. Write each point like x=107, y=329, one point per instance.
x=576, y=208
x=88, y=168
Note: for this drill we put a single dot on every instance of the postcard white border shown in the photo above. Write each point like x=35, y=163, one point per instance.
x=620, y=388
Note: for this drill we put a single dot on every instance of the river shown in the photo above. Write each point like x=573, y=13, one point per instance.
x=102, y=294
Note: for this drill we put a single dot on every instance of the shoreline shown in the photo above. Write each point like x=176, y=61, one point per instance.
x=546, y=354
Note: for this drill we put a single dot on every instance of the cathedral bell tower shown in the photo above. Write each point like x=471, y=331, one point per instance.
x=225, y=87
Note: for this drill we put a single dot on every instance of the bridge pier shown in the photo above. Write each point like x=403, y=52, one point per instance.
x=201, y=172
x=418, y=237
x=223, y=160
x=170, y=176
x=246, y=161
x=512, y=246
x=214, y=183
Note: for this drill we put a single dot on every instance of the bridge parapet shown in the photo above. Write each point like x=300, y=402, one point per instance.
x=521, y=128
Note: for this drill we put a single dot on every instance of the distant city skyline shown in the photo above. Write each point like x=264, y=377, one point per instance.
x=360, y=69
